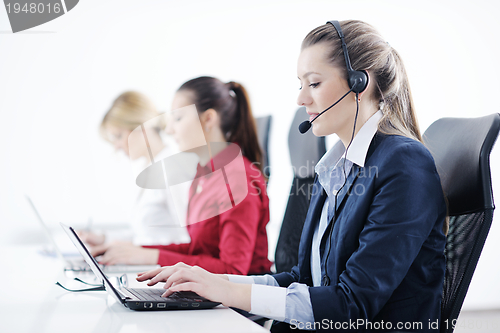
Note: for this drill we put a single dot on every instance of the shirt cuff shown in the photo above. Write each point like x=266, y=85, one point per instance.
x=268, y=301
x=265, y=279
x=253, y=279
x=240, y=279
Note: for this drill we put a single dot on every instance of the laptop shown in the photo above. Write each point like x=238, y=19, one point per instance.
x=141, y=298
x=77, y=264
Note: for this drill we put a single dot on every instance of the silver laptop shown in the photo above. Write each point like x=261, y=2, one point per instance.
x=141, y=298
x=77, y=264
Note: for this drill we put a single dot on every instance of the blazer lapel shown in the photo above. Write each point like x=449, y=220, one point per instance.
x=342, y=196
x=346, y=190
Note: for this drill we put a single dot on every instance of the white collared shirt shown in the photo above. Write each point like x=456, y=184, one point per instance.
x=294, y=303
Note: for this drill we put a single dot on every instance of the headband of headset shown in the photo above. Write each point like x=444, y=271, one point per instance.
x=356, y=79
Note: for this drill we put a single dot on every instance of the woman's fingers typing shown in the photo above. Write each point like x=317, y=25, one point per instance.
x=98, y=250
x=183, y=279
x=215, y=287
x=185, y=286
x=143, y=276
x=160, y=274
x=179, y=276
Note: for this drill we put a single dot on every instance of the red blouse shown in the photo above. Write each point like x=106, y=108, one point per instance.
x=227, y=215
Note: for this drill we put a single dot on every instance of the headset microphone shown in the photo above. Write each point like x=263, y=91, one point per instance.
x=304, y=126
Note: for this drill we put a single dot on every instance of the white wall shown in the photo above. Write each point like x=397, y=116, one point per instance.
x=57, y=80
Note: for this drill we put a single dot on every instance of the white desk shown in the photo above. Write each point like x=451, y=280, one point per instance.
x=31, y=302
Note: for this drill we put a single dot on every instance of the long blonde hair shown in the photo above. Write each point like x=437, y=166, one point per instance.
x=369, y=51
x=130, y=110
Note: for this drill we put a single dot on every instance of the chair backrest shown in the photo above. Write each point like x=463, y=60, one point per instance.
x=461, y=149
x=305, y=151
x=263, y=131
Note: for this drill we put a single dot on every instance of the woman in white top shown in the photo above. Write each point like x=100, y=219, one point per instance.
x=156, y=217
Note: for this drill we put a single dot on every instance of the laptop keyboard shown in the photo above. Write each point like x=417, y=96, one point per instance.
x=155, y=294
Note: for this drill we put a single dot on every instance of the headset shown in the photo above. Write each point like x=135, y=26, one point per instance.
x=357, y=81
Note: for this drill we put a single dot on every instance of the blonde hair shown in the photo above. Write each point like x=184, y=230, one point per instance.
x=369, y=51
x=130, y=110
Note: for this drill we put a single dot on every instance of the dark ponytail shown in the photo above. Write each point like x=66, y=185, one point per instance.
x=231, y=102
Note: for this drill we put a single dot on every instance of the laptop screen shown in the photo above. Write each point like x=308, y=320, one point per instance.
x=46, y=230
x=91, y=261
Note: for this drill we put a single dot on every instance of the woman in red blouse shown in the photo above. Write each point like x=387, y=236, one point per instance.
x=228, y=206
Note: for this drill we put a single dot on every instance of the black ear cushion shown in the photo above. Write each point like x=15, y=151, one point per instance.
x=358, y=78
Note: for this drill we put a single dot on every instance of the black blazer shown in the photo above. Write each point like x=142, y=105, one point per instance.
x=386, y=265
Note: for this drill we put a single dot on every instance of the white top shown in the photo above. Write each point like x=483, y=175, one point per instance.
x=157, y=219
x=293, y=303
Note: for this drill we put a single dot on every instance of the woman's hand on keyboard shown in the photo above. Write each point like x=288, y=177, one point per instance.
x=125, y=253
x=215, y=287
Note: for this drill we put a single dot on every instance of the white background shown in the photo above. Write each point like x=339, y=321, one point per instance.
x=57, y=80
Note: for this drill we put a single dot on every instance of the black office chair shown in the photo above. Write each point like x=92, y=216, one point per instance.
x=461, y=149
x=305, y=151
x=263, y=131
